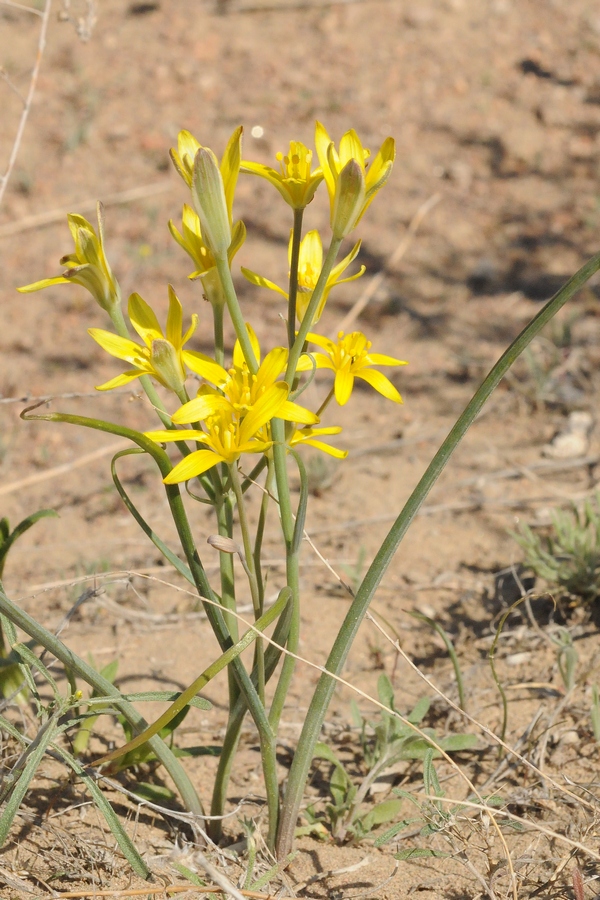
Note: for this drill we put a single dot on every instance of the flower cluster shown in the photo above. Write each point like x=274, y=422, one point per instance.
x=234, y=407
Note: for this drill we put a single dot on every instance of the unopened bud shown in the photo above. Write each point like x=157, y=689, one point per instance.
x=222, y=543
x=167, y=365
x=349, y=199
x=208, y=195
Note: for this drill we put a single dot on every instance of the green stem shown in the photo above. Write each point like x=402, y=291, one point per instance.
x=293, y=285
x=343, y=642
x=104, y=688
x=217, y=309
x=309, y=315
x=236, y=314
x=250, y=571
x=325, y=402
x=260, y=530
x=234, y=725
x=221, y=782
x=292, y=569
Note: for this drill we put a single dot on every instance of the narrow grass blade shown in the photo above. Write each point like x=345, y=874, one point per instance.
x=77, y=665
x=160, y=545
x=17, y=782
x=21, y=528
x=122, y=838
x=359, y=606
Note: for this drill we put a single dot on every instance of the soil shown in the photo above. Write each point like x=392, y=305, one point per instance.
x=495, y=107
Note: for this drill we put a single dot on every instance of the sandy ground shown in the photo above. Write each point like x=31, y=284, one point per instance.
x=495, y=107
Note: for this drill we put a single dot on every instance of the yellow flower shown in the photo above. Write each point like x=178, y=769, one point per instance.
x=310, y=436
x=183, y=157
x=239, y=390
x=295, y=182
x=349, y=358
x=226, y=436
x=310, y=263
x=191, y=240
x=162, y=355
x=333, y=163
x=87, y=266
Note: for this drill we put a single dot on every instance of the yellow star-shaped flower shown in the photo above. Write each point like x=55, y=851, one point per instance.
x=349, y=358
x=310, y=263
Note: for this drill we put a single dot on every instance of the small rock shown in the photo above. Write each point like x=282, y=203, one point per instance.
x=573, y=440
x=569, y=737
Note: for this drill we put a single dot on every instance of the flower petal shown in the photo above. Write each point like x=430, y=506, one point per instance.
x=121, y=380
x=265, y=409
x=238, y=357
x=293, y=412
x=205, y=367
x=380, y=382
x=144, y=320
x=44, y=283
x=230, y=166
x=326, y=448
x=259, y=281
x=271, y=367
x=321, y=341
x=174, y=319
x=344, y=382
x=117, y=346
x=195, y=464
x=343, y=265
x=352, y=148
x=179, y=434
x=200, y=408
x=380, y=359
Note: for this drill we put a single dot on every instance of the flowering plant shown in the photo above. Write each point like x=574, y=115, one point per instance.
x=245, y=427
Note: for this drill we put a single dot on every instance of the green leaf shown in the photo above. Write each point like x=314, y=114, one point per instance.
x=381, y=814
x=391, y=833
x=160, y=545
x=385, y=691
x=187, y=873
x=455, y=742
x=419, y=711
x=16, y=783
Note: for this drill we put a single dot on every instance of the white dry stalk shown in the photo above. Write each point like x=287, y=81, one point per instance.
x=4, y=179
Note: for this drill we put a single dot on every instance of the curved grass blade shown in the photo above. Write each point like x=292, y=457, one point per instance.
x=166, y=552
x=360, y=605
x=21, y=528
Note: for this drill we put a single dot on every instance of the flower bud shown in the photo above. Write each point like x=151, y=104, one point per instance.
x=166, y=364
x=349, y=199
x=210, y=202
x=222, y=543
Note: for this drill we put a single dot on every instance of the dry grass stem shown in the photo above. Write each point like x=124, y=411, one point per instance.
x=4, y=179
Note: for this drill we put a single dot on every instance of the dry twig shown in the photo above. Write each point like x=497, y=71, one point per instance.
x=4, y=179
